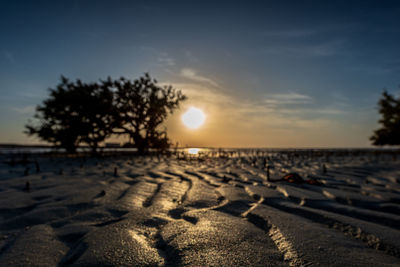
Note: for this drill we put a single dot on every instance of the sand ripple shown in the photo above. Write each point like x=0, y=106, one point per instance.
x=227, y=210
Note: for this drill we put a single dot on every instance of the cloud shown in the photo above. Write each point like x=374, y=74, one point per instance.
x=161, y=58
x=24, y=110
x=287, y=110
x=192, y=75
x=32, y=94
x=275, y=111
x=240, y=121
x=288, y=98
x=313, y=112
x=202, y=94
x=303, y=106
x=164, y=59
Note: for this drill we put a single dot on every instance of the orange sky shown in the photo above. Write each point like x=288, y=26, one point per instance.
x=237, y=122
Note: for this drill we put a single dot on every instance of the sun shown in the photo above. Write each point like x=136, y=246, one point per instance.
x=193, y=118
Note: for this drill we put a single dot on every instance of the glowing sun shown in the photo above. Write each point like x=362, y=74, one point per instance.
x=193, y=118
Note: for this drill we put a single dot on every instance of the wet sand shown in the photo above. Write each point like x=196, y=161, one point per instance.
x=221, y=211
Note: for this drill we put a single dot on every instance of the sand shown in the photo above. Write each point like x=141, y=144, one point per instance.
x=213, y=211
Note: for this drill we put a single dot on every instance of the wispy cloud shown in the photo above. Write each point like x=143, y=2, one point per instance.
x=32, y=94
x=161, y=58
x=298, y=105
x=288, y=98
x=194, y=76
x=26, y=110
x=277, y=111
x=165, y=59
x=200, y=93
x=312, y=112
x=251, y=121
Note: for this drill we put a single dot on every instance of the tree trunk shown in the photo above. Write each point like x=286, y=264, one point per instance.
x=140, y=144
x=94, y=146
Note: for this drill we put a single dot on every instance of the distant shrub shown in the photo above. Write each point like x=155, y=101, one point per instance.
x=389, y=133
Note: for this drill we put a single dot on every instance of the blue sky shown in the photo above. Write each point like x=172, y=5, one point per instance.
x=269, y=74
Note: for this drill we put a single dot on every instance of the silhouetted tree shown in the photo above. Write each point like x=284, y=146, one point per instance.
x=389, y=133
x=75, y=113
x=143, y=106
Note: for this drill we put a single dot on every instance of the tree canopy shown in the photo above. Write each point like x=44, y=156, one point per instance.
x=389, y=133
x=78, y=112
x=142, y=107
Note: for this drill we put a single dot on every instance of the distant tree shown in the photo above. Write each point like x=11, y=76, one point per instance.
x=142, y=107
x=389, y=133
x=75, y=112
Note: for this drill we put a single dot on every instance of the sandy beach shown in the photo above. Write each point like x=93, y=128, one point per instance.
x=215, y=210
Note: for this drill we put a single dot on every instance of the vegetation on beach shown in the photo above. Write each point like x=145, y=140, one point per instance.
x=142, y=106
x=389, y=133
x=78, y=112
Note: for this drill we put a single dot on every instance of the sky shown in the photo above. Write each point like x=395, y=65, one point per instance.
x=265, y=73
